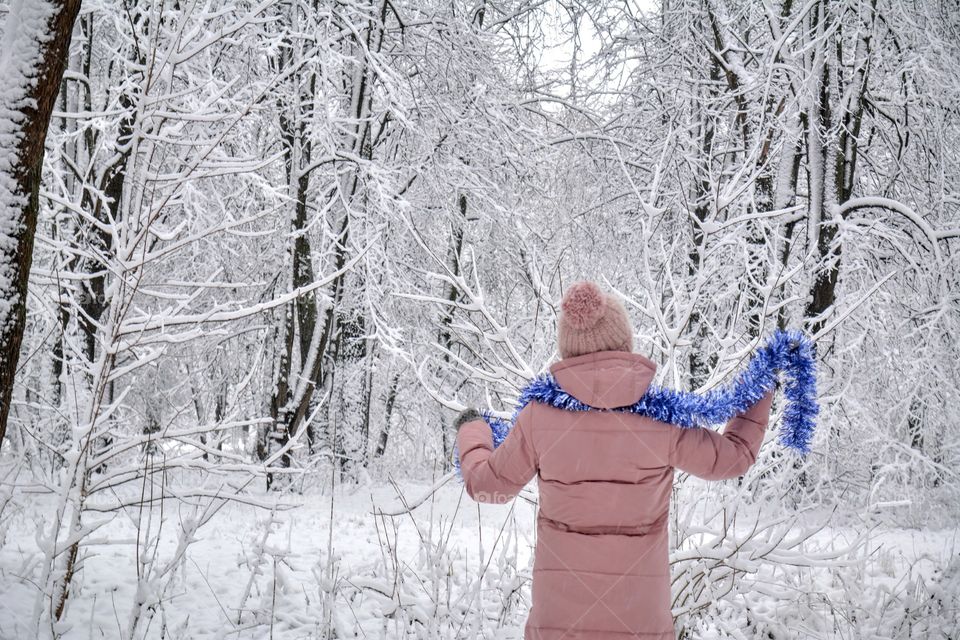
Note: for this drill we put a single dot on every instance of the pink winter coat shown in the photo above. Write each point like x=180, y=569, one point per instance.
x=601, y=565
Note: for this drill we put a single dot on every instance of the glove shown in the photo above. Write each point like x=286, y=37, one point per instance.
x=466, y=416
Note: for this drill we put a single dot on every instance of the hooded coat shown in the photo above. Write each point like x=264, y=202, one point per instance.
x=601, y=562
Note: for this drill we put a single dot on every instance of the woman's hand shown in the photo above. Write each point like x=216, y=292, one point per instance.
x=466, y=416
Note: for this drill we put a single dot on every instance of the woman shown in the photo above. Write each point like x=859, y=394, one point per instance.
x=601, y=564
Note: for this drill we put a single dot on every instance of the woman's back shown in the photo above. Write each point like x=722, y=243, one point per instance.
x=602, y=472
x=605, y=481
x=601, y=564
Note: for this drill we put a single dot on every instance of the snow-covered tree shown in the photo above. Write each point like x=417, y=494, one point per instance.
x=36, y=36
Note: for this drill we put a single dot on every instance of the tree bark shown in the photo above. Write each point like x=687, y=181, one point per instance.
x=23, y=179
x=706, y=123
x=388, y=415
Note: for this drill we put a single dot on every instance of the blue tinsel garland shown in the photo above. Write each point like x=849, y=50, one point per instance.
x=789, y=352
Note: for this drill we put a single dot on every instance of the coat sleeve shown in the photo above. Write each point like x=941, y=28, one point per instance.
x=708, y=454
x=496, y=475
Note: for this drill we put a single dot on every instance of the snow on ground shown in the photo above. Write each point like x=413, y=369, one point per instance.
x=253, y=573
x=208, y=596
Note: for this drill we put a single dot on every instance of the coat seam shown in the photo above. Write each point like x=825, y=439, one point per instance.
x=672, y=454
x=759, y=424
x=529, y=439
x=614, y=574
x=595, y=430
x=645, y=481
x=623, y=633
x=595, y=360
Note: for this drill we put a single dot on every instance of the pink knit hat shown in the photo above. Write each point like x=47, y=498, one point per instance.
x=591, y=320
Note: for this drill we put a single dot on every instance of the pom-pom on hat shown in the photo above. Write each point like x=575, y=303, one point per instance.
x=591, y=320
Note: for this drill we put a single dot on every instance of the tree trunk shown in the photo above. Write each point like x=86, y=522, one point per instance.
x=445, y=338
x=300, y=315
x=699, y=364
x=388, y=414
x=24, y=130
